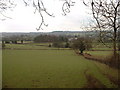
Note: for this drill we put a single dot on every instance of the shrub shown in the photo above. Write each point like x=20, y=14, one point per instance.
x=14, y=42
x=81, y=44
x=58, y=45
x=49, y=45
x=67, y=45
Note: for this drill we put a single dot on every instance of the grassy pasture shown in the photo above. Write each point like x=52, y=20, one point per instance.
x=99, y=44
x=102, y=47
x=50, y=69
x=26, y=46
x=31, y=46
x=102, y=54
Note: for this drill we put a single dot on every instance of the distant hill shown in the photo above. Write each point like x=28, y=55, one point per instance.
x=31, y=35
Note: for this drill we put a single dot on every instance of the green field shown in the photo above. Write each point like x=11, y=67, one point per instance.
x=52, y=69
x=102, y=54
x=31, y=46
x=28, y=46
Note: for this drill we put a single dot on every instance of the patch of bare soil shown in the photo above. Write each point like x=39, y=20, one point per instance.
x=92, y=82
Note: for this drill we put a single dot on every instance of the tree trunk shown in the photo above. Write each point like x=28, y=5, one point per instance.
x=114, y=47
x=81, y=52
x=115, y=33
x=114, y=44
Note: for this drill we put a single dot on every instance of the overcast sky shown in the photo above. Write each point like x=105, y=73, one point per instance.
x=24, y=19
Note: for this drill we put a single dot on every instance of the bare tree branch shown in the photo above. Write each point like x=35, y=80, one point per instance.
x=66, y=6
x=4, y=6
x=39, y=6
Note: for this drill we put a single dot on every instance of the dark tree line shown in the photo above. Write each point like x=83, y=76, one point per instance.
x=50, y=38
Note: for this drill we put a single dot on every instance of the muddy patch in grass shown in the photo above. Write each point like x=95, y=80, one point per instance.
x=92, y=82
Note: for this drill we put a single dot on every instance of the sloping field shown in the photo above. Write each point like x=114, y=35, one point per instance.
x=51, y=69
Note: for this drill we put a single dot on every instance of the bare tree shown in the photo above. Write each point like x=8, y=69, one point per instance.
x=4, y=6
x=39, y=6
x=107, y=15
x=82, y=44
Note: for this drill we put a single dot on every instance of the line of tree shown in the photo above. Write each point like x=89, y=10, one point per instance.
x=61, y=45
x=50, y=38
